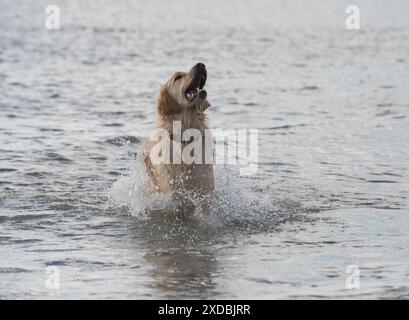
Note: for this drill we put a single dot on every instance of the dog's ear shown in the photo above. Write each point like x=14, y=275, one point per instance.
x=167, y=104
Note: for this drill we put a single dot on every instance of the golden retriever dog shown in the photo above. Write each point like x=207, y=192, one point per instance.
x=181, y=104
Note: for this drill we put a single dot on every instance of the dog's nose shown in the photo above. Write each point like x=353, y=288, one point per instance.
x=200, y=65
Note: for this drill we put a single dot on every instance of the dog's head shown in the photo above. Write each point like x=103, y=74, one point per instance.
x=184, y=90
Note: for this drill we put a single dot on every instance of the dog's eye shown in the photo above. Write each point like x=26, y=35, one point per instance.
x=178, y=76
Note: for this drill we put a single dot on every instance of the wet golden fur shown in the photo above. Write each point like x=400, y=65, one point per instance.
x=172, y=105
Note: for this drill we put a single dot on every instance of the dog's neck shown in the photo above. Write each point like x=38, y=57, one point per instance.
x=191, y=118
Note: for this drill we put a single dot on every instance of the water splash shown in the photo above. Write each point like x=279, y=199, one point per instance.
x=132, y=191
x=234, y=203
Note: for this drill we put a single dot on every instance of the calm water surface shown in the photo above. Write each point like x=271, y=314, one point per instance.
x=332, y=109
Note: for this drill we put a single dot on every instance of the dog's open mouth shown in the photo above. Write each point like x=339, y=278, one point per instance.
x=196, y=85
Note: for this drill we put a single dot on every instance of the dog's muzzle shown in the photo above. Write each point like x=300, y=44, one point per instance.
x=195, y=88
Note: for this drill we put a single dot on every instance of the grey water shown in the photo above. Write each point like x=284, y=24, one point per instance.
x=332, y=109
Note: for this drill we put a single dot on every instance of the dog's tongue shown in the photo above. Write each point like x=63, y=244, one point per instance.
x=190, y=95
